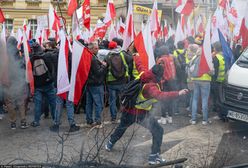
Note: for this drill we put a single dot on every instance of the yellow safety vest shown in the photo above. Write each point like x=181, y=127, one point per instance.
x=175, y=53
x=221, y=72
x=143, y=103
x=110, y=77
x=204, y=77
x=135, y=72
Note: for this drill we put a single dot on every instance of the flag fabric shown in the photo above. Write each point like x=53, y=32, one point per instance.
x=154, y=20
x=232, y=13
x=185, y=6
x=244, y=29
x=76, y=34
x=128, y=35
x=4, y=63
x=19, y=38
x=165, y=30
x=86, y=14
x=143, y=44
x=2, y=18
x=81, y=62
x=99, y=31
x=29, y=72
x=223, y=3
x=72, y=6
x=63, y=84
x=54, y=22
x=199, y=25
x=206, y=61
x=227, y=52
x=122, y=26
x=38, y=34
x=112, y=32
x=179, y=36
x=110, y=13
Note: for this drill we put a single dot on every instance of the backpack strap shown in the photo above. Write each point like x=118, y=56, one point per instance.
x=125, y=63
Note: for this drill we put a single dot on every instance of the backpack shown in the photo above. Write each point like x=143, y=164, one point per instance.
x=41, y=72
x=193, y=67
x=117, y=67
x=130, y=93
x=169, y=67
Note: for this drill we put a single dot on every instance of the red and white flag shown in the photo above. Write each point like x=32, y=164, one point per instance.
x=232, y=14
x=4, y=78
x=244, y=29
x=2, y=18
x=199, y=25
x=38, y=35
x=29, y=72
x=179, y=36
x=99, y=31
x=76, y=34
x=121, y=27
x=54, y=22
x=63, y=84
x=166, y=30
x=223, y=3
x=143, y=44
x=128, y=35
x=72, y=6
x=112, y=32
x=110, y=12
x=27, y=29
x=154, y=20
x=19, y=38
x=83, y=14
x=206, y=61
x=81, y=63
x=185, y=6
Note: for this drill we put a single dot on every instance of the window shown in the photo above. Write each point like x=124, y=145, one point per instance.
x=9, y=24
x=33, y=25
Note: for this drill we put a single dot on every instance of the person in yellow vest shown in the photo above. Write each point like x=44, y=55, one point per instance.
x=149, y=94
x=218, y=78
x=201, y=86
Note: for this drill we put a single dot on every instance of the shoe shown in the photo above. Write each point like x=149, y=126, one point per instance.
x=169, y=120
x=1, y=116
x=155, y=159
x=74, y=128
x=114, y=121
x=162, y=120
x=98, y=124
x=206, y=122
x=35, y=124
x=109, y=146
x=54, y=128
x=192, y=122
x=24, y=125
x=13, y=125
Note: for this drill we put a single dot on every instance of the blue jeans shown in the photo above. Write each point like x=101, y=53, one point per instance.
x=59, y=109
x=1, y=99
x=202, y=88
x=114, y=91
x=94, y=96
x=49, y=92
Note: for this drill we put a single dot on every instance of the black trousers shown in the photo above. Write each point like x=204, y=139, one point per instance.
x=145, y=120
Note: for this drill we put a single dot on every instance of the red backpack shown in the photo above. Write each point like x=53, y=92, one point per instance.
x=169, y=67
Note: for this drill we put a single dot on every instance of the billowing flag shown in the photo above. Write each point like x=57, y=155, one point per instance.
x=128, y=35
x=206, y=61
x=19, y=38
x=121, y=27
x=223, y=3
x=154, y=20
x=185, y=6
x=143, y=44
x=99, y=31
x=86, y=14
x=75, y=27
x=227, y=52
x=81, y=62
x=179, y=36
x=2, y=18
x=54, y=22
x=72, y=6
x=38, y=35
x=63, y=84
x=244, y=29
x=112, y=33
x=165, y=31
x=110, y=13
x=29, y=72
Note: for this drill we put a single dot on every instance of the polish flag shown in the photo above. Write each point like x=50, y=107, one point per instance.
x=27, y=29
x=179, y=36
x=206, y=61
x=29, y=72
x=83, y=14
x=4, y=78
x=165, y=31
x=223, y=3
x=75, y=27
x=112, y=32
x=2, y=18
x=129, y=30
x=99, y=31
x=122, y=26
x=63, y=84
x=54, y=22
x=143, y=44
x=110, y=13
x=244, y=29
x=154, y=20
x=199, y=25
x=81, y=62
x=72, y=6
x=19, y=38
x=38, y=35
x=185, y=6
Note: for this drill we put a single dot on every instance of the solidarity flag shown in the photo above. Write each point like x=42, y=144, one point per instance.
x=110, y=13
x=72, y=6
x=185, y=6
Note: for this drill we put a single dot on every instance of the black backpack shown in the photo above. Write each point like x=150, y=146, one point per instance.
x=117, y=67
x=130, y=93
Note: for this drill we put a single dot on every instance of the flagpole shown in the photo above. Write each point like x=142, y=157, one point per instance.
x=172, y=13
x=62, y=16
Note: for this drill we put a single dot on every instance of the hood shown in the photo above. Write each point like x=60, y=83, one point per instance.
x=148, y=76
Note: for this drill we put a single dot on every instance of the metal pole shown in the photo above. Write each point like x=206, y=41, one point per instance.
x=127, y=3
x=172, y=14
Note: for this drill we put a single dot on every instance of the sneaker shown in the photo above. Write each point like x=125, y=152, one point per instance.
x=98, y=124
x=192, y=122
x=13, y=125
x=114, y=121
x=74, y=128
x=155, y=159
x=162, y=120
x=35, y=124
x=24, y=125
x=109, y=146
x=169, y=120
x=206, y=122
x=54, y=128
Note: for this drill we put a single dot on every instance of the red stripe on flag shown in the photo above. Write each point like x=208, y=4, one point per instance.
x=140, y=46
x=203, y=66
x=2, y=18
